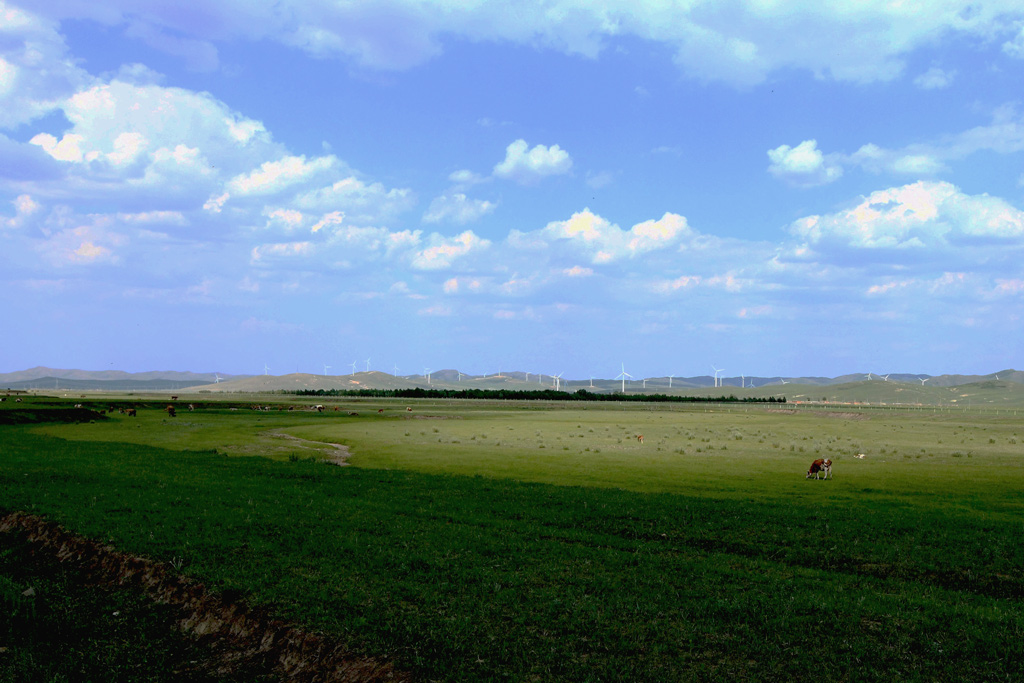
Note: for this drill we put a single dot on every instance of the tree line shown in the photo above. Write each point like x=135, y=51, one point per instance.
x=530, y=395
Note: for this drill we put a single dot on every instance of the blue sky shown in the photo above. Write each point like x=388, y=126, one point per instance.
x=773, y=188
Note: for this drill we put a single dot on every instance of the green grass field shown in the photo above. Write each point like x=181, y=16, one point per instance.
x=487, y=541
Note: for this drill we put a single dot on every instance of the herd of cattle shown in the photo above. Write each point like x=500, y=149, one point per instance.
x=819, y=469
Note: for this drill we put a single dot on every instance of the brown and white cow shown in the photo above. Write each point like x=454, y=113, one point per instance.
x=131, y=412
x=640, y=438
x=819, y=466
x=170, y=411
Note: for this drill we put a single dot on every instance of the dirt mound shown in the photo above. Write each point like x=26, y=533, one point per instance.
x=236, y=634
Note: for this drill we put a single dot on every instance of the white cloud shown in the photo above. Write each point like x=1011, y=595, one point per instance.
x=35, y=71
x=935, y=79
x=875, y=159
x=329, y=220
x=274, y=176
x=361, y=202
x=266, y=252
x=465, y=177
x=1015, y=47
x=456, y=208
x=803, y=165
x=924, y=215
x=25, y=207
x=443, y=251
x=370, y=243
x=737, y=42
x=578, y=271
x=68, y=148
x=83, y=245
x=600, y=180
x=605, y=242
x=525, y=165
x=286, y=219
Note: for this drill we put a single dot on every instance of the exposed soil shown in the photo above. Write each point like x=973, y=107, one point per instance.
x=339, y=457
x=237, y=635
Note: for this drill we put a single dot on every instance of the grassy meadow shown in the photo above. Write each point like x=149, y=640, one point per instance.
x=534, y=542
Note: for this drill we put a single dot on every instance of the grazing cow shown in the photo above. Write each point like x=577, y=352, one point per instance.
x=170, y=411
x=319, y=408
x=640, y=438
x=131, y=412
x=860, y=456
x=17, y=400
x=78, y=405
x=407, y=408
x=820, y=466
x=2, y=399
x=174, y=398
x=191, y=407
x=380, y=411
x=353, y=413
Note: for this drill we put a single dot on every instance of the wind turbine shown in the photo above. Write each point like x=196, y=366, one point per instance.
x=717, y=381
x=743, y=382
x=591, y=381
x=645, y=383
x=396, y=369
x=558, y=380
x=326, y=368
x=670, y=381
x=266, y=369
x=869, y=375
x=923, y=380
x=783, y=381
x=460, y=374
x=218, y=378
x=886, y=378
x=623, y=375
x=367, y=364
x=426, y=373
x=353, y=367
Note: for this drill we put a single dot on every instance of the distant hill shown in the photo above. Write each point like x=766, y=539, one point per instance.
x=42, y=373
x=57, y=384
x=894, y=387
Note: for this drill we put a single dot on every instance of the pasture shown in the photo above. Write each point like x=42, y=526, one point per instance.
x=490, y=541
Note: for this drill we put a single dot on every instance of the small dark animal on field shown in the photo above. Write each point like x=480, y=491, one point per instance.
x=408, y=409
x=191, y=407
x=131, y=412
x=820, y=466
x=380, y=411
x=170, y=411
x=174, y=398
x=353, y=413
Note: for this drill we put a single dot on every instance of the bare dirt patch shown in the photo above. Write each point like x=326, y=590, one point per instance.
x=339, y=455
x=238, y=636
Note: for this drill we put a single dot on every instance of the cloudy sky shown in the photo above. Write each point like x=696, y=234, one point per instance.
x=545, y=185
